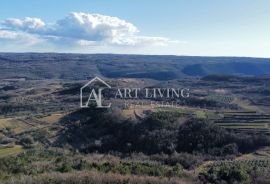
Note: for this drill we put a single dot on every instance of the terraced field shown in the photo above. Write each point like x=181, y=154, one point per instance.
x=246, y=121
x=260, y=163
x=15, y=130
x=221, y=98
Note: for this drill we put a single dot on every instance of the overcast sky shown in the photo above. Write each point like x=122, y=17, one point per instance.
x=179, y=27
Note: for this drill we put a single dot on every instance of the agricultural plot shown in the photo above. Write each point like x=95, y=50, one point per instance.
x=263, y=164
x=226, y=99
x=17, y=125
x=21, y=124
x=8, y=151
x=249, y=121
x=52, y=118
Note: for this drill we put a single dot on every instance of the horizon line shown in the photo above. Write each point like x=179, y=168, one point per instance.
x=175, y=55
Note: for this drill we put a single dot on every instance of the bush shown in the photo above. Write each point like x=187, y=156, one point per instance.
x=230, y=173
x=65, y=167
x=229, y=149
x=186, y=160
x=135, y=168
x=200, y=136
x=27, y=141
x=206, y=137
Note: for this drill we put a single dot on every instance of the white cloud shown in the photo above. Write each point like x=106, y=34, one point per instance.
x=92, y=27
x=12, y=37
x=26, y=24
x=78, y=29
x=86, y=42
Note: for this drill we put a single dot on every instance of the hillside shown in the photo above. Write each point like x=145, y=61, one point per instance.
x=220, y=134
x=85, y=66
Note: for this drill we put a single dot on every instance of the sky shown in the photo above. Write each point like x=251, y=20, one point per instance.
x=174, y=27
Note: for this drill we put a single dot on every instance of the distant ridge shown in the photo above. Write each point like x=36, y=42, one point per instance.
x=159, y=67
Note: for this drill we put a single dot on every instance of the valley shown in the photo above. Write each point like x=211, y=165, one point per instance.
x=220, y=133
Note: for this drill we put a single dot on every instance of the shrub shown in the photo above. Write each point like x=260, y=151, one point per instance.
x=230, y=173
x=186, y=160
x=200, y=136
x=65, y=167
x=27, y=141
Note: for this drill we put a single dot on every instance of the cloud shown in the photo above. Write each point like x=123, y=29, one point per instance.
x=27, y=24
x=77, y=29
x=9, y=37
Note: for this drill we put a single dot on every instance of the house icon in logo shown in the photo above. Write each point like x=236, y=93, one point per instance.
x=93, y=94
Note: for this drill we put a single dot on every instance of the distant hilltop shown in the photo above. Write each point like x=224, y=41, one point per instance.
x=84, y=66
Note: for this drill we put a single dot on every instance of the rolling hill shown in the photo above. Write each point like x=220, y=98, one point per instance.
x=84, y=66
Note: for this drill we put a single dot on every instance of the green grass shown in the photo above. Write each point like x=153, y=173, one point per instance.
x=221, y=98
x=7, y=151
x=200, y=115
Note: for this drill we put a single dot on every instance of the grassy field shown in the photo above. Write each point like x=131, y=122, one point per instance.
x=8, y=151
x=14, y=124
x=200, y=115
x=22, y=124
x=52, y=118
